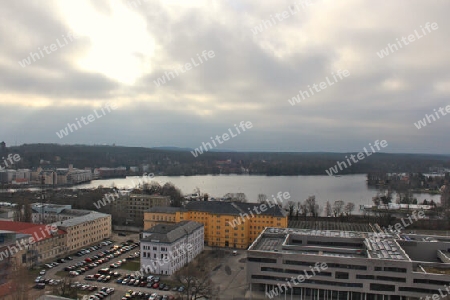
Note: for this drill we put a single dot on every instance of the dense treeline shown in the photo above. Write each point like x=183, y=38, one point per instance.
x=173, y=162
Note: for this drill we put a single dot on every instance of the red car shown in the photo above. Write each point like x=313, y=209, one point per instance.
x=156, y=285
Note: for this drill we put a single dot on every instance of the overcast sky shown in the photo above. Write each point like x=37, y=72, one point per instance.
x=122, y=47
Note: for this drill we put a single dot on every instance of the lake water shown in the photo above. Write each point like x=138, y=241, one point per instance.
x=349, y=188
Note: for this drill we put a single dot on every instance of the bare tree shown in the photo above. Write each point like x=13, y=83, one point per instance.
x=290, y=208
x=311, y=206
x=65, y=289
x=445, y=195
x=349, y=207
x=196, y=279
x=262, y=198
x=235, y=197
x=241, y=197
x=337, y=207
x=20, y=281
x=152, y=188
x=299, y=209
x=328, y=210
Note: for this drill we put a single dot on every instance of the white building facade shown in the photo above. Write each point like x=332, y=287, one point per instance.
x=167, y=248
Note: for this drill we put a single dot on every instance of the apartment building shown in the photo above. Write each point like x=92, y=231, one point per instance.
x=359, y=265
x=133, y=206
x=161, y=215
x=8, y=263
x=34, y=243
x=85, y=230
x=166, y=248
x=227, y=224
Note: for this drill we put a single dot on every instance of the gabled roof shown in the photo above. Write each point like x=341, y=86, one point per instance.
x=165, y=209
x=28, y=228
x=168, y=234
x=233, y=208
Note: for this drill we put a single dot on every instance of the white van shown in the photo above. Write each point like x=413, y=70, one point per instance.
x=150, y=278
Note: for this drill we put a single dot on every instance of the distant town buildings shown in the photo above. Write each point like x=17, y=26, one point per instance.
x=40, y=176
x=166, y=248
x=227, y=224
x=110, y=172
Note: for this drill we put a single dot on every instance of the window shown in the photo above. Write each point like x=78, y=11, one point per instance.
x=382, y=287
x=365, y=277
x=389, y=278
x=341, y=275
x=262, y=260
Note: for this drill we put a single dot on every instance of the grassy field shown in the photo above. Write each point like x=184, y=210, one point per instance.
x=131, y=266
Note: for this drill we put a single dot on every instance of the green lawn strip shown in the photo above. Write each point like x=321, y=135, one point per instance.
x=131, y=266
x=62, y=273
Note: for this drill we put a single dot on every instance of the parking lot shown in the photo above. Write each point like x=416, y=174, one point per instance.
x=119, y=289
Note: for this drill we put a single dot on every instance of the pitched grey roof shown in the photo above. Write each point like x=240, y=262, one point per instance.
x=81, y=219
x=168, y=234
x=165, y=209
x=233, y=208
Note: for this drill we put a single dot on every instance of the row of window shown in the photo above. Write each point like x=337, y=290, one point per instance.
x=312, y=281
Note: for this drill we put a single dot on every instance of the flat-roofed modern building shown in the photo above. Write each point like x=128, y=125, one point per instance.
x=315, y=264
x=166, y=248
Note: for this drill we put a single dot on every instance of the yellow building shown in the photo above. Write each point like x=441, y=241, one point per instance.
x=227, y=224
x=85, y=230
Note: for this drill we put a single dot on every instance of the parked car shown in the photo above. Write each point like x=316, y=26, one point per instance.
x=40, y=286
x=153, y=296
x=42, y=272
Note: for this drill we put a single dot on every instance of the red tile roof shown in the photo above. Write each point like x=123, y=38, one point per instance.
x=42, y=231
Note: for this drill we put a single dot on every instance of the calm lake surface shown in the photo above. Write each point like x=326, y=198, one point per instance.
x=349, y=188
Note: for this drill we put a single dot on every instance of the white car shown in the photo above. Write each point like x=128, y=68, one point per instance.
x=42, y=272
x=153, y=296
